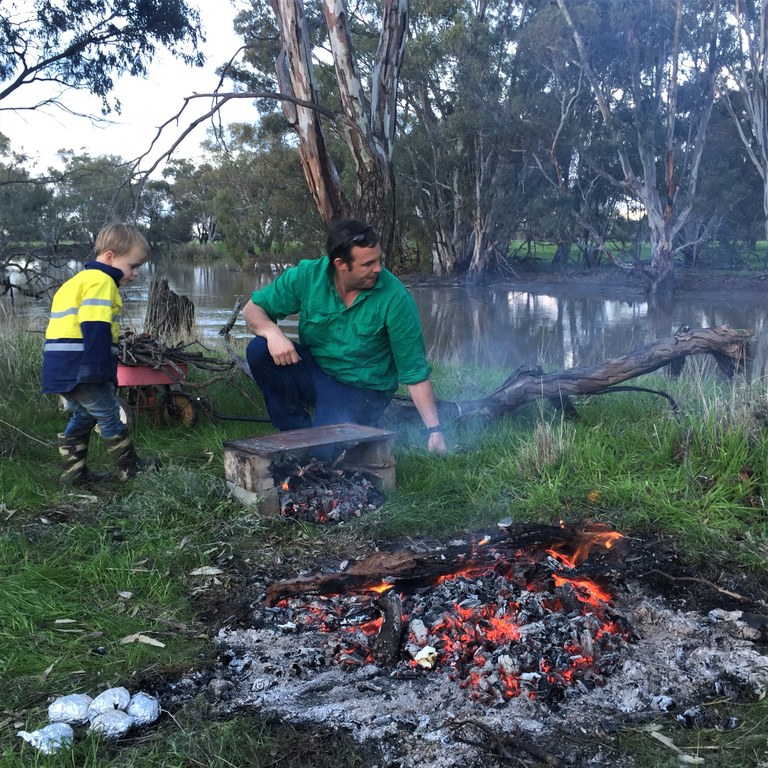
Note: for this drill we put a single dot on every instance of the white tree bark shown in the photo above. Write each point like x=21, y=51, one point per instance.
x=749, y=75
x=680, y=164
x=368, y=125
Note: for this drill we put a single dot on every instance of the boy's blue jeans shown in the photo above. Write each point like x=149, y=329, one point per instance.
x=290, y=390
x=92, y=404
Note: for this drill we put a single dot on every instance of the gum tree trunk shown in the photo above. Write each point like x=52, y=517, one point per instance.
x=367, y=122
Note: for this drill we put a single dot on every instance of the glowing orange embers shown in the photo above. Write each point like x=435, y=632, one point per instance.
x=578, y=548
x=506, y=622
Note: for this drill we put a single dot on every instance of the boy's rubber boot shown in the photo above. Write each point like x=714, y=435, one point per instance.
x=123, y=453
x=74, y=452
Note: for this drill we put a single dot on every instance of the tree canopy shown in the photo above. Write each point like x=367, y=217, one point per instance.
x=84, y=44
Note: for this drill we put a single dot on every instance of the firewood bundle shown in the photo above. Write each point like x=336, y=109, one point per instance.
x=137, y=349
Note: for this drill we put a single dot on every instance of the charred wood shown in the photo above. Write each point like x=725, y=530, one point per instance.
x=386, y=648
x=504, y=745
x=406, y=568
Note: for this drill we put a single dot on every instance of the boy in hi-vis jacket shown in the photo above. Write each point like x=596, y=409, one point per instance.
x=80, y=355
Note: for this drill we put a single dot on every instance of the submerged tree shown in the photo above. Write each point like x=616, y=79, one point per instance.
x=651, y=67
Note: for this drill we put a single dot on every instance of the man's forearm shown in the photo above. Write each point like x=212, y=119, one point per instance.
x=423, y=397
x=257, y=320
x=281, y=348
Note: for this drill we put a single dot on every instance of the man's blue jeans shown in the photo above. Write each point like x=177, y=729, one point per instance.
x=291, y=390
x=92, y=404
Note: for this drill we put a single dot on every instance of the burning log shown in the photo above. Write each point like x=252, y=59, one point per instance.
x=386, y=647
x=405, y=567
x=727, y=346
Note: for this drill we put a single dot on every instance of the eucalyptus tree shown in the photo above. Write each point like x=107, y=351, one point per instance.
x=651, y=67
x=335, y=71
x=23, y=199
x=461, y=144
x=745, y=88
x=48, y=49
x=728, y=216
x=262, y=203
x=191, y=192
x=88, y=193
x=84, y=44
x=577, y=205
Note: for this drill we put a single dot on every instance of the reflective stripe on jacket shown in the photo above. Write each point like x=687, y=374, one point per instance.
x=83, y=330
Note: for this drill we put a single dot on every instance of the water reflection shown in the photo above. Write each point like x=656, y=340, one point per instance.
x=493, y=326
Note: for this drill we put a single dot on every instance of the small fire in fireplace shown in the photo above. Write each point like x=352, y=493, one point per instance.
x=315, y=492
x=506, y=616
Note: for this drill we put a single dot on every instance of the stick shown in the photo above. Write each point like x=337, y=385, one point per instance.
x=500, y=742
x=697, y=580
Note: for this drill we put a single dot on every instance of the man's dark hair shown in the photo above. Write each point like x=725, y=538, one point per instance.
x=343, y=234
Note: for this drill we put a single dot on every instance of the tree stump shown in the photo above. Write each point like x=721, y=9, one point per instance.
x=170, y=318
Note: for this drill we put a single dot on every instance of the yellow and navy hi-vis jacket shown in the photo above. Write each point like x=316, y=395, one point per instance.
x=81, y=338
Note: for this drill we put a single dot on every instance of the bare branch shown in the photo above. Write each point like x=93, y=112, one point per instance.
x=218, y=101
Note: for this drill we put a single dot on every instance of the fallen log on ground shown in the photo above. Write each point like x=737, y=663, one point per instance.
x=729, y=348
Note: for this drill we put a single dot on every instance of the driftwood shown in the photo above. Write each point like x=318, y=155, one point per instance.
x=727, y=346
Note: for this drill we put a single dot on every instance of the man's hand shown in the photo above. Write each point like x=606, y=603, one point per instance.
x=279, y=345
x=437, y=442
x=281, y=348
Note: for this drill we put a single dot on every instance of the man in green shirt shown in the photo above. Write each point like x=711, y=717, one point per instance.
x=359, y=336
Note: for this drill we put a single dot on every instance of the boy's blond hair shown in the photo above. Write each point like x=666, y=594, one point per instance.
x=121, y=239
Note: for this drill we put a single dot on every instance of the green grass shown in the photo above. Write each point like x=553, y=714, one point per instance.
x=82, y=572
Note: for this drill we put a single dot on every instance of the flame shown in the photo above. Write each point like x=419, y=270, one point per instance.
x=587, y=591
x=285, y=486
x=469, y=636
x=585, y=543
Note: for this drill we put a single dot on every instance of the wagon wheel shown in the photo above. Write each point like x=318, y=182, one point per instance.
x=127, y=413
x=178, y=410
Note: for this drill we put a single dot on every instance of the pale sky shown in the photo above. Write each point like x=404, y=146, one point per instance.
x=146, y=104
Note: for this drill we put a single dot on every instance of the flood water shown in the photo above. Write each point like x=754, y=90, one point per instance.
x=495, y=326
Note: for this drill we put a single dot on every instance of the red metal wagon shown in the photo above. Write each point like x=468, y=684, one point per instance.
x=157, y=390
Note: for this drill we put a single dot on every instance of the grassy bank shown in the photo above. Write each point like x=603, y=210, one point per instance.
x=83, y=572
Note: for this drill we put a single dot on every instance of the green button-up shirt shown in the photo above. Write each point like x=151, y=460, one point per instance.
x=374, y=343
